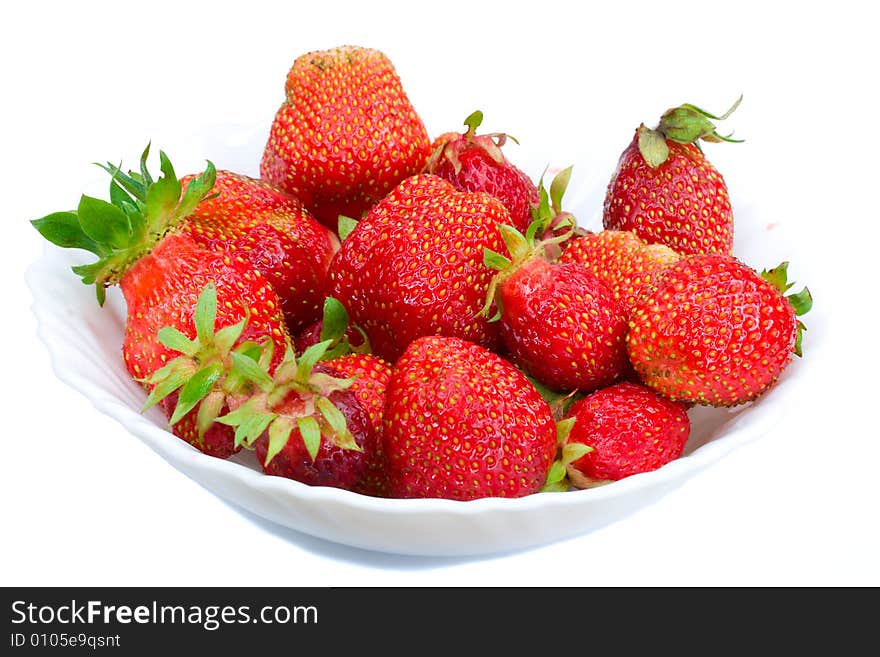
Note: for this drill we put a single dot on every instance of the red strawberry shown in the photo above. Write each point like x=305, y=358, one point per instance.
x=162, y=275
x=371, y=376
x=306, y=422
x=273, y=231
x=716, y=332
x=414, y=265
x=476, y=163
x=621, y=260
x=346, y=133
x=629, y=429
x=666, y=190
x=559, y=322
x=463, y=423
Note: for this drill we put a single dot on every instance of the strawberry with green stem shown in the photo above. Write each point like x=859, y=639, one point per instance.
x=305, y=422
x=559, y=323
x=476, y=163
x=161, y=272
x=716, y=332
x=666, y=191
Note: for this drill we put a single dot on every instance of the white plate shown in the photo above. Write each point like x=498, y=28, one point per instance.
x=84, y=342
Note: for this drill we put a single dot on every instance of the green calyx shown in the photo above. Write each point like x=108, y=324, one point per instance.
x=685, y=124
x=549, y=229
x=141, y=211
x=294, y=397
x=802, y=301
x=206, y=373
x=569, y=452
x=334, y=328
x=491, y=144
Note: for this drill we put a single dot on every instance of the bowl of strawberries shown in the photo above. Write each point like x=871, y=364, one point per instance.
x=404, y=343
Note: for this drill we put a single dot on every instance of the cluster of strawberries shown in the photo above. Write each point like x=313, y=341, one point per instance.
x=407, y=318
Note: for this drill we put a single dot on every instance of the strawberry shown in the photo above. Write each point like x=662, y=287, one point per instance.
x=414, y=265
x=371, y=375
x=463, y=423
x=162, y=272
x=628, y=429
x=558, y=321
x=666, y=191
x=346, y=133
x=250, y=219
x=621, y=260
x=305, y=422
x=715, y=332
x=476, y=163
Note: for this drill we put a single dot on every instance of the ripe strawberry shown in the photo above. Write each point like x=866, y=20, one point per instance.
x=629, y=429
x=463, y=423
x=558, y=321
x=371, y=375
x=621, y=260
x=346, y=133
x=162, y=273
x=306, y=423
x=414, y=265
x=666, y=191
x=273, y=231
x=476, y=163
x=716, y=332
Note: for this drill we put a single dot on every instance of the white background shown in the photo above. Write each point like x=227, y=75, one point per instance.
x=86, y=503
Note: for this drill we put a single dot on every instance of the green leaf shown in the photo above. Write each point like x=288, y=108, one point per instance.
x=206, y=314
x=131, y=185
x=174, y=339
x=344, y=226
x=166, y=380
x=572, y=452
x=196, y=190
x=311, y=434
x=63, y=229
x=802, y=302
x=100, y=293
x=195, y=390
x=340, y=436
x=279, y=434
x=104, y=222
x=145, y=173
x=653, y=147
x=777, y=277
x=251, y=370
x=119, y=197
x=558, y=187
x=308, y=359
x=556, y=474
x=473, y=121
x=516, y=242
x=249, y=420
x=494, y=260
x=563, y=429
x=228, y=335
x=162, y=198
x=209, y=409
x=335, y=320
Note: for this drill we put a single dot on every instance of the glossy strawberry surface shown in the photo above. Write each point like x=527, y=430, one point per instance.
x=630, y=428
x=621, y=260
x=253, y=221
x=414, y=265
x=345, y=134
x=563, y=325
x=463, y=423
x=682, y=203
x=712, y=332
